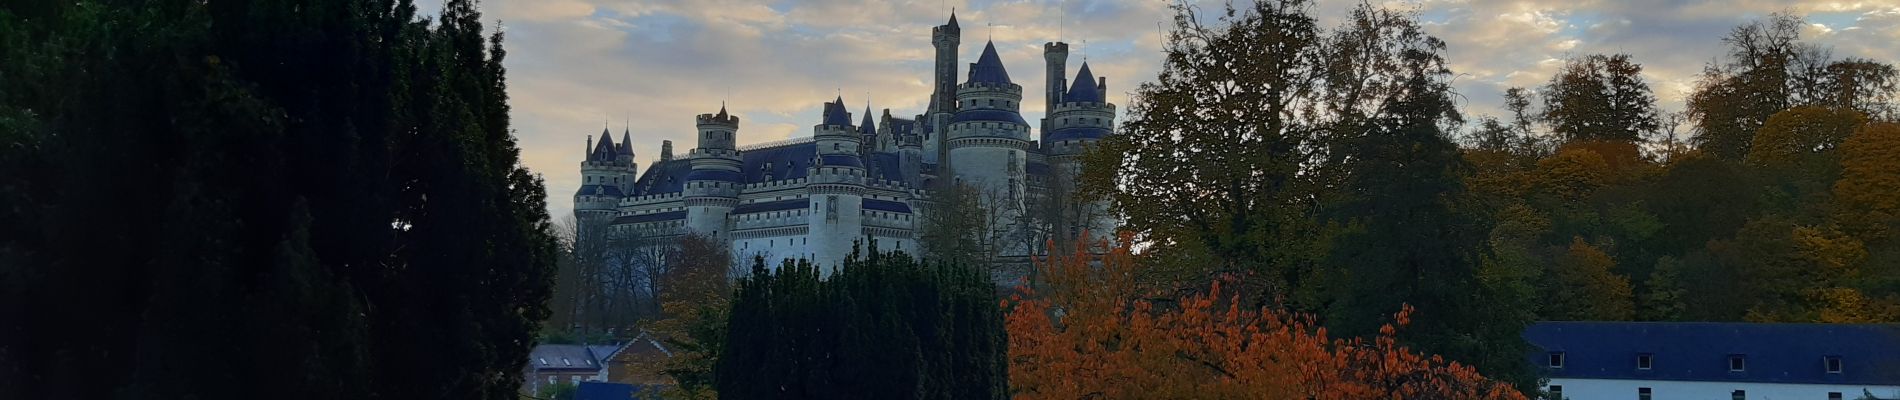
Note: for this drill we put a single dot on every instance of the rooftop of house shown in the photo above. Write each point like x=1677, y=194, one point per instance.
x=1711, y=351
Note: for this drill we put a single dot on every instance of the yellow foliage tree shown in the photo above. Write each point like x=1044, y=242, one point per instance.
x=1867, y=197
x=1091, y=334
x=1582, y=286
x=1801, y=134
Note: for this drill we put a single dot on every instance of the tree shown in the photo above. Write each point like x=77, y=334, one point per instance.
x=694, y=305
x=1227, y=154
x=883, y=326
x=1583, y=286
x=957, y=227
x=1868, y=193
x=1094, y=334
x=323, y=198
x=1663, y=298
x=1600, y=97
x=1803, y=136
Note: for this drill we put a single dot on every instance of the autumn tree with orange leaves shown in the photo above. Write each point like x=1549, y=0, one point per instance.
x=1092, y=334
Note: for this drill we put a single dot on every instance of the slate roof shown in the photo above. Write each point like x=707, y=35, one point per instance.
x=834, y=113
x=1084, y=88
x=787, y=162
x=649, y=217
x=886, y=166
x=769, y=206
x=841, y=160
x=986, y=114
x=885, y=205
x=591, y=390
x=663, y=177
x=604, y=149
x=1076, y=132
x=563, y=357
x=988, y=67
x=599, y=190
x=1700, y=351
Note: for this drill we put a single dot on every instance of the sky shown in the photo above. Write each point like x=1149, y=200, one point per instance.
x=646, y=67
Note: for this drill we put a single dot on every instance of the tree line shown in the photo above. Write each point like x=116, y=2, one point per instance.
x=262, y=198
x=1326, y=172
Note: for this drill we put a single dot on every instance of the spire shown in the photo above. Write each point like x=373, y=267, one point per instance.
x=867, y=127
x=953, y=19
x=988, y=67
x=722, y=109
x=604, y=149
x=626, y=141
x=835, y=113
x=1085, y=88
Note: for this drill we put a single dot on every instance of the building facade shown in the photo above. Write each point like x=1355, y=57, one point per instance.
x=859, y=179
x=1713, y=360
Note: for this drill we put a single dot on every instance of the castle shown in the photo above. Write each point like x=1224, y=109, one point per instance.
x=814, y=198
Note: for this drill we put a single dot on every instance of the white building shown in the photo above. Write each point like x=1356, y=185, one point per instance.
x=814, y=198
x=1716, y=361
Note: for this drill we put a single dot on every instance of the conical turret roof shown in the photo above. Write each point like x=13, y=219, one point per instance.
x=1084, y=88
x=835, y=113
x=988, y=67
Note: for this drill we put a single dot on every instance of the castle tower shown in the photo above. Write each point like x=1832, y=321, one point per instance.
x=987, y=137
x=1080, y=121
x=603, y=183
x=712, y=188
x=626, y=169
x=836, y=187
x=1056, y=56
x=943, y=98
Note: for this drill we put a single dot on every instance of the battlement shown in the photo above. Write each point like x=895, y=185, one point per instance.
x=718, y=119
x=1052, y=48
x=1010, y=88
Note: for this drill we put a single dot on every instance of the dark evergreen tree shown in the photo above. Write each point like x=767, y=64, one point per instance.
x=884, y=326
x=271, y=198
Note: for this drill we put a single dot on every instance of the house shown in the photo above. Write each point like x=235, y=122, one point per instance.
x=1716, y=360
x=641, y=362
x=572, y=363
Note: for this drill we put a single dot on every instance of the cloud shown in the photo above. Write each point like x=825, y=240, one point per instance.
x=645, y=67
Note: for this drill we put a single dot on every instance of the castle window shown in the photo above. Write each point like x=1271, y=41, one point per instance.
x=1833, y=364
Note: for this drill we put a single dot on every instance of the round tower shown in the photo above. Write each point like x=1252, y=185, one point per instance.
x=987, y=136
x=602, y=186
x=836, y=187
x=712, y=188
x=1077, y=123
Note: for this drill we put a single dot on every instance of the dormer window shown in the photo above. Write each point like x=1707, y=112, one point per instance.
x=1737, y=363
x=1556, y=359
x=1644, y=360
x=566, y=363
x=544, y=361
x=1833, y=364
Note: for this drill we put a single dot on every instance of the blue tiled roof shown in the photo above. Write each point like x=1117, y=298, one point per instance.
x=1076, y=132
x=769, y=206
x=599, y=190
x=1699, y=351
x=988, y=67
x=835, y=113
x=604, y=391
x=604, y=149
x=980, y=114
x=663, y=177
x=787, y=162
x=886, y=166
x=842, y=160
x=867, y=127
x=652, y=217
x=902, y=126
x=714, y=175
x=1036, y=168
x=1084, y=88
x=886, y=205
